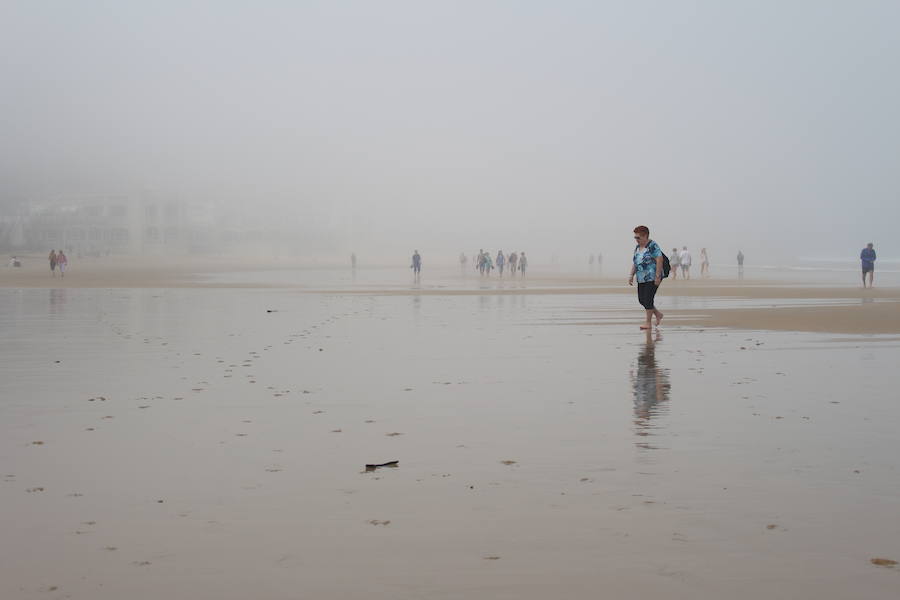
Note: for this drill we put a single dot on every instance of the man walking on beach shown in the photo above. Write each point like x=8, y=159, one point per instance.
x=416, y=265
x=62, y=262
x=52, y=259
x=867, y=256
x=685, y=258
x=648, y=268
x=740, y=259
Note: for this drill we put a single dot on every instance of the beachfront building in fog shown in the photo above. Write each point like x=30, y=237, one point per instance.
x=103, y=224
x=158, y=224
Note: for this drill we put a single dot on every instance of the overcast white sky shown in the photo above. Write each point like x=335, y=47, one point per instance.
x=769, y=125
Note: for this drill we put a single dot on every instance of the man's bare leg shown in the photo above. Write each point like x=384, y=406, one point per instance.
x=647, y=324
x=659, y=316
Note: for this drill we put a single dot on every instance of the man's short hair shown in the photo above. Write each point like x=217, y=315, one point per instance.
x=642, y=230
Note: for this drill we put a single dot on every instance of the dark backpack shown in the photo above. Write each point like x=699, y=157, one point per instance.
x=667, y=266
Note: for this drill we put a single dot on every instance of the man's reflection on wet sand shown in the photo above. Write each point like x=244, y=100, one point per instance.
x=651, y=388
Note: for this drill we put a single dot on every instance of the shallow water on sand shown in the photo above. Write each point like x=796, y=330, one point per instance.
x=194, y=445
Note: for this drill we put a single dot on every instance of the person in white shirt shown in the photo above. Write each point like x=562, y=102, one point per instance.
x=675, y=262
x=684, y=258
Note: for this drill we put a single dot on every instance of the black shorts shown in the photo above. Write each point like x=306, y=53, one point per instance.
x=868, y=269
x=646, y=294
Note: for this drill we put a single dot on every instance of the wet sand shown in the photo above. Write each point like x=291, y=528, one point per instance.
x=189, y=443
x=827, y=308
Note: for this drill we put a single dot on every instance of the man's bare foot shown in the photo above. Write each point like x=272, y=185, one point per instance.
x=659, y=317
x=645, y=327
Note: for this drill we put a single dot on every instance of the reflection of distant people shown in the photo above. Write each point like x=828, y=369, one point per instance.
x=501, y=262
x=649, y=382
x=463, y=260
x=867, y=257
x=523, y=263
x=740, y=260
x=416, y=265
x=52, y=259
x=704, y=263
x=685, y=258
x=353, y=260
x=675, y=262
x=63, y=262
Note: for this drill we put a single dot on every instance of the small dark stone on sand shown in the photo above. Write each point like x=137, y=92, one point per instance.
x=883, y=562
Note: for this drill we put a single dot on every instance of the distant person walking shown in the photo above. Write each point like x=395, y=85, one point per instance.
x=479, y=264
x=63, y=262
x=353, y=260
x=675, y=261
x=740, y=260
x=52, y=259
x=647, y=267
x=704, y=263
x=501, y=262
x=685, y=259
x=463, y=261
x=513, y=260
x=523, y=263
x=867, y=257
x=599, y=263
x=416, y=265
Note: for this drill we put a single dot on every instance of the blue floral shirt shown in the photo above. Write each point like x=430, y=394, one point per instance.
x=645, y=262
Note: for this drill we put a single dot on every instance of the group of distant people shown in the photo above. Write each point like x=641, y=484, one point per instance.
x=516, y=262
x=58, y=259
x=682, y=260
